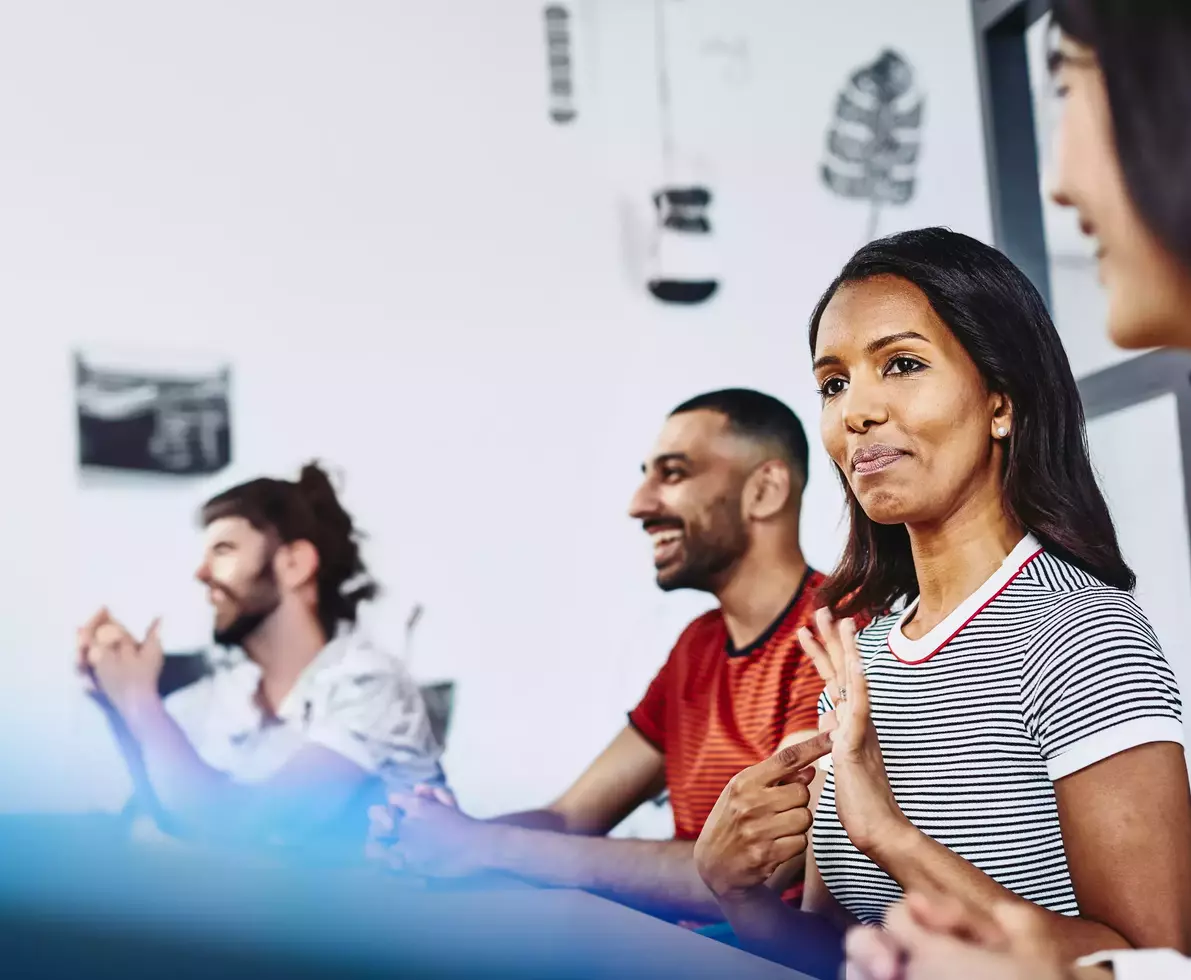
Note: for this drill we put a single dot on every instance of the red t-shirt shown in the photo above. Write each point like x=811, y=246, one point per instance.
x=713, y=710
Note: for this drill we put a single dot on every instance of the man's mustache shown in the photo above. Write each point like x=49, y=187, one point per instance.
x=226, y=590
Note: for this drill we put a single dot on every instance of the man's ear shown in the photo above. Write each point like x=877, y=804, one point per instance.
x=767, y=490
x=296, y=563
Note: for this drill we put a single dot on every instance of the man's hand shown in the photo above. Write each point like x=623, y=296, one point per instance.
x=940, y=938
x=425, y=833
x=760, y=820
x=123, y=670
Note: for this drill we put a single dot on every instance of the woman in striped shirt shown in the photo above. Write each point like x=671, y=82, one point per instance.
x=1012, y=729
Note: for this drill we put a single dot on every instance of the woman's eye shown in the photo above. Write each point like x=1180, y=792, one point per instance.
x=832, y=386
x=904, y=365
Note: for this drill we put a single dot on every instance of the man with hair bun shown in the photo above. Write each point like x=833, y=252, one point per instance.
x=302, y=715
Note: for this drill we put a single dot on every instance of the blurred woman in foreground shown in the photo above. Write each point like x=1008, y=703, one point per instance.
x=1123, y=160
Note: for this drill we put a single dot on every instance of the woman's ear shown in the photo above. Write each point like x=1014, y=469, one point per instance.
x=1002, y=420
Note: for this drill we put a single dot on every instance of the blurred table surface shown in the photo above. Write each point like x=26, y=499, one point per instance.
x=75, y=901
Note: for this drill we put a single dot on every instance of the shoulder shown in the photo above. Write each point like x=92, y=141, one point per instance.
x=1085, y=634
x=1050, y=579
x=703, y=638
x=361, y=684
x=355, y=656
x=1067, y=608
x=1094, y=680
x=355, y=674
x=700, y=633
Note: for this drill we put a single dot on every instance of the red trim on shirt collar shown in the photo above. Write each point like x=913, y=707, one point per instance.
x=987, y=602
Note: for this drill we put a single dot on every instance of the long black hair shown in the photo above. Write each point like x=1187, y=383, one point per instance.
x=995, y=312
x=307, y=510
x=1144, y=51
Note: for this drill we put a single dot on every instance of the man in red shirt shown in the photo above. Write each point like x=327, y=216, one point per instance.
x=721, y=499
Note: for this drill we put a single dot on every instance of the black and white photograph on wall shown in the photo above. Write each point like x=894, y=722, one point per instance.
x=874, y=137
x=150, y=418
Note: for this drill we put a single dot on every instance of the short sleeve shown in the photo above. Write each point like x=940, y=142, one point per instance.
x=1095, y=682
x=806, y=692
x=649, y=717
x=377, y=719
x=1141, y=964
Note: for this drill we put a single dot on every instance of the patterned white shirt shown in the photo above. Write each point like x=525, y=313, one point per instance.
x=353, y=699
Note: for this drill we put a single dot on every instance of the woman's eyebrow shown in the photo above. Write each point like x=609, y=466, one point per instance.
x=830, y=360
x=894, y=338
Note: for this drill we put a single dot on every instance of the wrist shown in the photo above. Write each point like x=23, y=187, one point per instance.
x=488, y=846
x=141, y=710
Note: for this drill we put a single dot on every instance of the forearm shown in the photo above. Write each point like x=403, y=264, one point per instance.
x=917, y=862
x=534, y=820
x=198, y=800
x=768, y=927
x=656, y=876
x=185, y=787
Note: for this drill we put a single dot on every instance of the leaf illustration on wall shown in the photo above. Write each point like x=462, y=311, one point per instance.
x=874, y=139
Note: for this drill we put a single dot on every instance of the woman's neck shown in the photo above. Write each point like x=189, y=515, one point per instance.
x=953, y=558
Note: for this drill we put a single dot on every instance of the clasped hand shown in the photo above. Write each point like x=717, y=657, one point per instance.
x=424, y=832
x=124, y=670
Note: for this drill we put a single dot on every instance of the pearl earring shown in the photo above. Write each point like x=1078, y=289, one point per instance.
x=1002, y=432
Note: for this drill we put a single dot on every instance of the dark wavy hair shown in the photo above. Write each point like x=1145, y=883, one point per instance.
x=1144, y=51
x=307, y=510
x=995, y=312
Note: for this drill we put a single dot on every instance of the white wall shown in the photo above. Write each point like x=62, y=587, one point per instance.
x=363, y=206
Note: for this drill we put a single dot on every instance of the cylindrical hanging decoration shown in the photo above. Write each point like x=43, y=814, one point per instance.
x=560, y=64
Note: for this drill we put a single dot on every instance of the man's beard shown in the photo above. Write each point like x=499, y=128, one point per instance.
x=258, y=603
x=708, y=553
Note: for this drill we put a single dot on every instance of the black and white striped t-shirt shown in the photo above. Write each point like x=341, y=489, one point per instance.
x=1041, y=672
